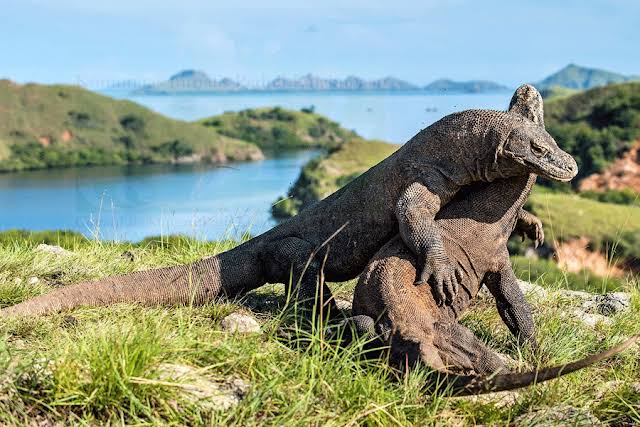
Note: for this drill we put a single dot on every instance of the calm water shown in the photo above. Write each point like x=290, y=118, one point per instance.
x=129, y=203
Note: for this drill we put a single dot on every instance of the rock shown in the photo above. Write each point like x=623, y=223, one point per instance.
x=591, y=319
x=343, y=304
x=575, y=295
x=128, y=255
x=203, y=390
x=532, y=290
x=240, y=323
x=558, y=416
x=501, y=399
x=50, y=249
x=613, y=303
x=614, y=386
x=33, y=280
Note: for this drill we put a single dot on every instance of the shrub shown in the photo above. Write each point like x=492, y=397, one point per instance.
x=132, y=123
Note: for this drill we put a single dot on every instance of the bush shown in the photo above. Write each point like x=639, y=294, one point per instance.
x=132, y=123
x=619, y=197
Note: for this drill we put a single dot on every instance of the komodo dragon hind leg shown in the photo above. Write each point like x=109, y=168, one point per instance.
x=461, y=350
x=290, y=262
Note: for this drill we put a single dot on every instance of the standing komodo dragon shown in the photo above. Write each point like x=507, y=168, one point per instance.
x=475, y=227
x=401, y=195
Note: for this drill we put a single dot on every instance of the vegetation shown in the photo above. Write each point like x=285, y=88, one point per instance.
x=276, y=128
x=557, y=92
x=324, y=175
x=596, y=126
x=105, y=365
x=619, y=197
x=47, y=126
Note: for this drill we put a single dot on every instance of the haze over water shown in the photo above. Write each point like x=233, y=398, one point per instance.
x=132, y=202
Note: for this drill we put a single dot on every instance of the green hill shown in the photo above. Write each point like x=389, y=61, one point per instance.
x=324, y=175
x=576, y=77
x=596, y=126
x=44, y=126
x=276, y=128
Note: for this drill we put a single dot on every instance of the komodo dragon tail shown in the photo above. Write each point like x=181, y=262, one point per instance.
x=465, y=385
x=228, y=273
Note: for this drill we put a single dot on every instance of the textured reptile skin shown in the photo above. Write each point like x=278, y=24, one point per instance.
x=400, y=195
x=475, y=227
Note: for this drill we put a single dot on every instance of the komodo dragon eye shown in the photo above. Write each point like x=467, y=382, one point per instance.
x=538, y=150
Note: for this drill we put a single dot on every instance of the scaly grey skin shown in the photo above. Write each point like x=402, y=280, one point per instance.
x=402, y=194
x=475, y=227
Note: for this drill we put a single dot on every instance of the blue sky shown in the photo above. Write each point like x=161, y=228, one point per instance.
x=255, y=40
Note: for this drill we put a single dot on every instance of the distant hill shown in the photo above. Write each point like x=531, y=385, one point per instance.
x=352, y=83
x=45, y=126
x=576, y=77
x=596, y=126
x=190, y=81
x=278, y=128
x=472, y=86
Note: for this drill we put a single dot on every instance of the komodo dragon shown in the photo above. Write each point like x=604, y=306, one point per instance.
x=475, y=227
x=401, y=195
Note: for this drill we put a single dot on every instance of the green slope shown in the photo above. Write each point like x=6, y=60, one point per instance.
x=595, y=126
x=324, y=175
x=577, y=77
x=277, y=128
x=55, y=126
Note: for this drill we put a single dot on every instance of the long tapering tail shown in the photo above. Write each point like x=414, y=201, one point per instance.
x=467, y=385
x=226, y=274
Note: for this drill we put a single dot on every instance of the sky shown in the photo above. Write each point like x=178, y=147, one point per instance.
x=97, y=42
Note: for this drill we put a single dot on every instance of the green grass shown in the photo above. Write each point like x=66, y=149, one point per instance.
x=102, y=365
x=276, y=128
x=566, y=216
x=46, y=126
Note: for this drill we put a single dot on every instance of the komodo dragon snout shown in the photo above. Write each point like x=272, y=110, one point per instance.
x=530, y=146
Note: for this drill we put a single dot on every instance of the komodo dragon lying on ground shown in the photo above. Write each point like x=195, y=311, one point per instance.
x=401, y=195
x=475, y=227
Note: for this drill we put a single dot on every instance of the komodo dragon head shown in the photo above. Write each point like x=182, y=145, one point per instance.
x=528, y=143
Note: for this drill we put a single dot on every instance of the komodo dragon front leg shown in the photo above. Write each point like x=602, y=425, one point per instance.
x=416, y=210
x=529, y=225
x=513, y=308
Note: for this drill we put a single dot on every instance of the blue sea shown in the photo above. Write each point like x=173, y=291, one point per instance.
x=133, y=202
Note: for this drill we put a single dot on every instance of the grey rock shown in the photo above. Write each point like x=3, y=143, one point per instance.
x=240, y=323
x=558, y=416
x=33, y=280
x=532, y=290
x=196, y=387
x=343, y=304
x=501, y=399
x=613, y=303
x=51, y=249
x=591, y=319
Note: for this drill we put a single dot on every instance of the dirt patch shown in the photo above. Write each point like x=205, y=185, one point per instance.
x=574, y=256
x=66, y=136
x=621, y=174
x=44, y=140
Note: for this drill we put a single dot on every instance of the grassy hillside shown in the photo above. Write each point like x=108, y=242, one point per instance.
x=324, y=175
x=276, y=128
x=109, y=365
x=45, y=126
x=596, y=126
x=577, y=77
